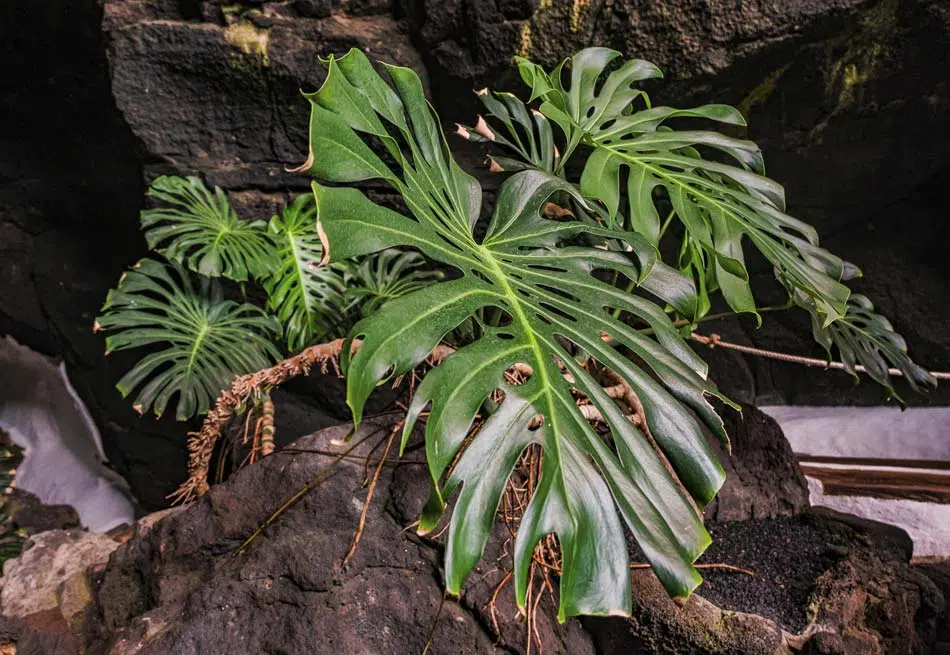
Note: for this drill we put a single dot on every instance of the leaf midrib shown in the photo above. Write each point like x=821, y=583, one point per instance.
x=298, y=266
x=196, y=346
x=514, y=302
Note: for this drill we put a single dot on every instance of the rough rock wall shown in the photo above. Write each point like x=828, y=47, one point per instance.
x=215, y=87
x=824, y=583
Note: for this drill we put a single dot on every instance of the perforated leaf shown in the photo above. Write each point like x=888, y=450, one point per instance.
x=720, y=204
x=715, y=185
x=865, y=338
x=199, y=342
x=528, y=268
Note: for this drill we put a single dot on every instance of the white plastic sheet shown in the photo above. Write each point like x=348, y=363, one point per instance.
x=888, y=435
x=63, y=458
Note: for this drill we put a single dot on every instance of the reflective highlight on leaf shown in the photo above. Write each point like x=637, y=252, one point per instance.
x=555, y=307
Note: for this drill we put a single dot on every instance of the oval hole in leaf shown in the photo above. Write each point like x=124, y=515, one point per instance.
x=555, y=310
x=559, y=292
x=551, y=269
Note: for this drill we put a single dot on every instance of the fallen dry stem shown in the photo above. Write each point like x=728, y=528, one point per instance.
x=435, y=623
x=714, y=565
x=330, y=453
x=494, y=598
x=307, y=488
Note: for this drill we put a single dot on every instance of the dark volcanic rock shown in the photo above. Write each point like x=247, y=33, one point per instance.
x=179, y=588
x=762, y=477
x=221, y=96
x=939, y=573
x=27, y=513
x=824, y=583
x=872, y=600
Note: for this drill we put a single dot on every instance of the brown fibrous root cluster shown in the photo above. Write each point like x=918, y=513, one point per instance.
x=201, y=444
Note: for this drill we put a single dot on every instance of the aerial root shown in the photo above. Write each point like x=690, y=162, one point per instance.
x=201, y=444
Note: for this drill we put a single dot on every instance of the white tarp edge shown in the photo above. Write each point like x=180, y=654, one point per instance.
x=63, y=458
x=869, y=432
x=885, y=433
x=928, y=524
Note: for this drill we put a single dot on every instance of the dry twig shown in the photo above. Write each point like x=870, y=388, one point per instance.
x=307, y=488
x=372, y=487
x=715, y=565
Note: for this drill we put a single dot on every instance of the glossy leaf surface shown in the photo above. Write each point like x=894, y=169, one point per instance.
x=534, y=272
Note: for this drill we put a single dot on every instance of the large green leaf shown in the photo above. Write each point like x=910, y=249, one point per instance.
x=307, y=298
x=526, y=132
x=720, y=204
x=199, y=341
x=557, y=309
x=199, y=229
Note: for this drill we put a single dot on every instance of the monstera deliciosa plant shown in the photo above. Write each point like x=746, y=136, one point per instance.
x=200, y=338
x=564, y=279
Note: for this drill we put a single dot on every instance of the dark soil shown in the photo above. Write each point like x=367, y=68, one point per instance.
x=786, y=554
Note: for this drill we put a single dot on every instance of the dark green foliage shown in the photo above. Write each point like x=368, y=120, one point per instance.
x=198, y=228
x=386, y=276
x=558, y=284
x=198, y=340
x=714, y=184
x=307, y=298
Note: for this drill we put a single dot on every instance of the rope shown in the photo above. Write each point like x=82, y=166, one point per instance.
x=714, y=340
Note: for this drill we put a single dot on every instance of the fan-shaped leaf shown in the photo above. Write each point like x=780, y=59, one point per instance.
x=525, y=267
x=385, y=276
x=199, y=341
x=199, y=229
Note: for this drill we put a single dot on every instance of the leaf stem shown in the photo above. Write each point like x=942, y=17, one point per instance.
x=666, y=223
